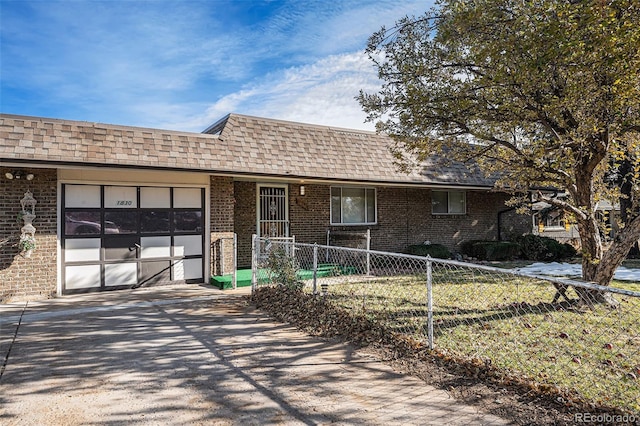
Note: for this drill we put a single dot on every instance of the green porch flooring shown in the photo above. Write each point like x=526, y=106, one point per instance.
x=223, y=282
x=243, y=276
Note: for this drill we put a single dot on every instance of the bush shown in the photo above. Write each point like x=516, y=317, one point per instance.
x=535, y=247
x=491, y=250
x=568, y=251
x=434, y=250
x=467, y=247
x=283, y=268
x=502, y=250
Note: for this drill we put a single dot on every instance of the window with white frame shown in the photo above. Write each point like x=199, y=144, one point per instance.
x=552, y=218
x=448, y=202
x=353, y=206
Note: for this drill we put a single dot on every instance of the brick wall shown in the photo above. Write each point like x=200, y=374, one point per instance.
x=514, y=224
x=480, y=221
x=398, y=211
x=404, y=218
x=35, y=277
x=222, y=204
x=309, y=214
x=245, y=220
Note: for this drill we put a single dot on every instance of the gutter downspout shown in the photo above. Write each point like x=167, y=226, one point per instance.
x=500, y=213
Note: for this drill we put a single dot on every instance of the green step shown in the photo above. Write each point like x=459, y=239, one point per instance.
x=243, y=276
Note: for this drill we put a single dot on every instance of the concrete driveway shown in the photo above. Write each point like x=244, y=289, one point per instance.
x=195, y=355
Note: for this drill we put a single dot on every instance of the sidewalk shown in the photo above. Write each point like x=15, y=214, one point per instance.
x=196, y=355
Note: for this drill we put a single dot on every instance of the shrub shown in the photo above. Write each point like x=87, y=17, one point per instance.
x=495, y=250
x=283, y=268
x=467, y=247
x=535, y=247
x=434, y=250
x=568, y=251
x=498, y=250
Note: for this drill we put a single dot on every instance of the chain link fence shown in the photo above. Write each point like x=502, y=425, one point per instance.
x=529, y=327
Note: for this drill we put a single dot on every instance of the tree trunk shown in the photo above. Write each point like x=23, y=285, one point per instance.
x=626, y=237
x=627, y=196
x=593, y=269
x=599, y=266
x=592, y=254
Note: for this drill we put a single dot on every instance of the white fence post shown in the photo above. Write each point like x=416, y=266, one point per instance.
x=220, y=242
x=368, y=235
x=315, y=268
x=430, y=302
x=254, y=263
x=235, y=261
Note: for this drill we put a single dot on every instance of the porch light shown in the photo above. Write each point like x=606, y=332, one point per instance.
x=19, y=174
x=302, y=191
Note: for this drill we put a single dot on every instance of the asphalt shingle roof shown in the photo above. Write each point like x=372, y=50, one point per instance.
x=237, y=144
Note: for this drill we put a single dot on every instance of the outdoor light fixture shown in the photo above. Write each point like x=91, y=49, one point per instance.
x=19, y=174
x=301, y=189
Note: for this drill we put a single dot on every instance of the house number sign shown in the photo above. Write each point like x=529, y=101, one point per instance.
x=124, y=203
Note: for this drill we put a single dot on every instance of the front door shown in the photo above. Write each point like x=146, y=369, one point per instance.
x=273, y=211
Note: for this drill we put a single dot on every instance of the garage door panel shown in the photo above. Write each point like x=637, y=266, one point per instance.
x=120, y=248
x=187, y=269
x=155, y=247
x=187, y=197
x=155, y=197
x=154, y=222
x=153, y=272
x=82, y=277
x=187, y=245
x=120, y=274
x=121, y=222
x=82, y=250
x=82, y=196
x=120, y=197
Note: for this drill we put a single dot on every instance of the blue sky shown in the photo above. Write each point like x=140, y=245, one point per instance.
x=182, y=65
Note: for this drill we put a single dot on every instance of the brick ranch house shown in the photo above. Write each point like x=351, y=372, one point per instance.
x=119, y=206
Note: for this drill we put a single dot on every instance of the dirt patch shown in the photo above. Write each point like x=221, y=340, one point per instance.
x=468, y=381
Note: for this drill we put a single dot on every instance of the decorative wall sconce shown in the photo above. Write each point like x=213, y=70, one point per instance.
x=19, y=174
x=27, y=237
x=28, y=204
x=302, y=190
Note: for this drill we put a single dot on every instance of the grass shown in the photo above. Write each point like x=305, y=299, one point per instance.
x=511, y=323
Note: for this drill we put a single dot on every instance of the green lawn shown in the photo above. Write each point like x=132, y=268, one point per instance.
x=512, y=322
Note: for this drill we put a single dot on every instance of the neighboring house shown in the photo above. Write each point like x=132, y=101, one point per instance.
x=121, y=206
x=550, y=221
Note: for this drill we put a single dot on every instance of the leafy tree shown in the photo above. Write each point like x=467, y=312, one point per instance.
x=540, y=94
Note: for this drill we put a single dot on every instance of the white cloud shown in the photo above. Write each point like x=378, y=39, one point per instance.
x=320, y=93
x=183, y=65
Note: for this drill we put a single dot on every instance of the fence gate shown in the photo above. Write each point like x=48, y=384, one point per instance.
x=273, y=211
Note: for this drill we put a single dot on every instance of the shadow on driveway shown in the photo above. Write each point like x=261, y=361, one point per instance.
x=193, y=354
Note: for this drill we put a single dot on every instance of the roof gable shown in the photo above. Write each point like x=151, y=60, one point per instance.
x=289, y=148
